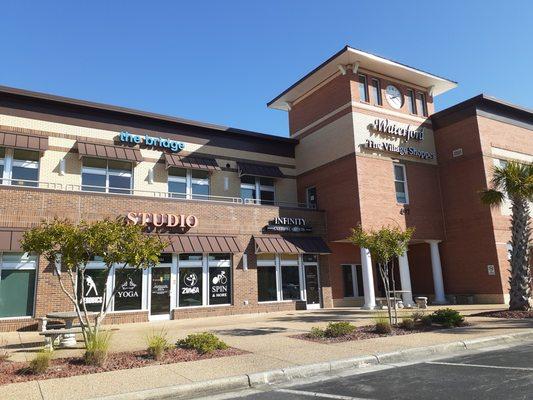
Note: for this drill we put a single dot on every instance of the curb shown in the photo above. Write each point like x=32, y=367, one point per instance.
x=247, y=381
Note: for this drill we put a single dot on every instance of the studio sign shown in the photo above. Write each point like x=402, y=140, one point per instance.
x=163, y=220
x=151, y=141
x=384, y=126
x=288, y=224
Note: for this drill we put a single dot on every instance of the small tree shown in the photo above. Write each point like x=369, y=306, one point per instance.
x=515, y=182
x=384, y=245
x=70, y=247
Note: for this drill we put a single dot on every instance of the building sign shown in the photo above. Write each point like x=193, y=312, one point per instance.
x=219, y=285
x=151, y=141
x=157, y=220
x=287, y=224
x=405, y=133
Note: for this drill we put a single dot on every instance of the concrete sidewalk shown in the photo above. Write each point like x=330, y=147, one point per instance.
x=265, y=336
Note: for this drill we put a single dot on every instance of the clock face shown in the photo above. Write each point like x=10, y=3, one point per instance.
x=394, y=97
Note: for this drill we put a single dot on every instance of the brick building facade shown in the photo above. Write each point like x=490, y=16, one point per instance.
x=273, y=213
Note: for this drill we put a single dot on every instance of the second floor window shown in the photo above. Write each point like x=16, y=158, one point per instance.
x=376, y=92
x=108, y=176
x=363, y=88
x=257, y=190
x=411, y=105
x=400, y=184
x=188, y=184
x=19, y=167
x=421, y=105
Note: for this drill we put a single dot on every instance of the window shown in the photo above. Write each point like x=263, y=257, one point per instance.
x=400, y=184
x=204, y=279
x=17, y=284
x=219, y=278
x=19, y=167
x=108, y=176
x=267, y=289
x=92, y=287
x=280, y=276
x=129, y=294
x=363, y=88
x=257, y=190
x=421, y=105
x=411, y=106
x=312, y=201
x=376, y=92
x=188, y=184
x=352, y=280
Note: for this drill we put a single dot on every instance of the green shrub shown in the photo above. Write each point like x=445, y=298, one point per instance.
x=97, y=348
x=383, y=327
x=41, y=362
x=426, y=320
x=448, y=317
x=317, y=333
x=408, y=324
x=336, y=329
x=204, y=342
x=157, y=343
x=417, y=316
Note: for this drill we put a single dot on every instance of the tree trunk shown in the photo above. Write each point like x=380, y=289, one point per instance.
x=520, y=280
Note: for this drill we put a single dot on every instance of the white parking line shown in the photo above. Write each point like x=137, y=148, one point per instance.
x=479, y=366
x=319, y=395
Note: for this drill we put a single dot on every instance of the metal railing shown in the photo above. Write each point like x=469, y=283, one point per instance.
x=145, y=193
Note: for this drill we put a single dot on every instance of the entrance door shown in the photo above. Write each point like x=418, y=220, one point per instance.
x=312, y=286
x=160, y=291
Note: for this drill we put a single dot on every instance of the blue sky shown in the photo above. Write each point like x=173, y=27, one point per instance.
x=221, y=61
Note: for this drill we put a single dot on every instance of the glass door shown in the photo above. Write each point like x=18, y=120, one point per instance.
x=160, y=291
x=312, y=286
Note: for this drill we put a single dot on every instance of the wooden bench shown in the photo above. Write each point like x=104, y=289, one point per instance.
x=52, y=335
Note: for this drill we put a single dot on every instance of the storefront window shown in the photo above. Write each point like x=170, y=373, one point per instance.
x=92, y=288
x=190, y=286
x=257, y=190
x=219, y=279
x=110, y=176
x=290, y=282
x=266, y=283
x=128, y=283
x=17, y=284
x=352, y=280
x=188, y=184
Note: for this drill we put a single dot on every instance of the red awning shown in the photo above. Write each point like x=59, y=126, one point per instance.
x=22, y=141
x=190, y=162
x=201, y=244
x=290, y=245
x=87, y=149
x=10, y=240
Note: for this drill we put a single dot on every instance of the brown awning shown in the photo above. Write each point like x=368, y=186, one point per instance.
x=21, y=141
x=10, y=240
x=259, y=170
x=190, y=162
x=201, y=244
x=290, y=245
x=87, y=149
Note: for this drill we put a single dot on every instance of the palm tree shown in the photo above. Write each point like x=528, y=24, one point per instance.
x=514, y=181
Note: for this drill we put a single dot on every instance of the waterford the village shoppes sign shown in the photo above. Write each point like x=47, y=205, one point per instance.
x=405, y=133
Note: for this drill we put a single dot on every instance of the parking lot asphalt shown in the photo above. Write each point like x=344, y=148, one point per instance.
x=497, y=374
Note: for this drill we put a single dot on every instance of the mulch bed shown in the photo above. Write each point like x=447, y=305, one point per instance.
x=11, y=372
x=506, y=314
x=365, y=332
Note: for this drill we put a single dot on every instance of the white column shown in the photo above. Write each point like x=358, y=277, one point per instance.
x=368, y=280
x=405, y=280
x=437, y=272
